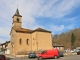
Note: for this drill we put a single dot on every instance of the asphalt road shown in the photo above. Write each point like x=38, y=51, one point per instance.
x=74, y=57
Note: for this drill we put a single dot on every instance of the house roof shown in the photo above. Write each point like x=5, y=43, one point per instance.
x=4, y=43
x=58, y=46
x=23, y=30
x=7, y=41
x=42, y=30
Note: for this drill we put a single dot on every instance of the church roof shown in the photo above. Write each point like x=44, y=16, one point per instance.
x=42, y=30
x=23, y=30
x=17, y=13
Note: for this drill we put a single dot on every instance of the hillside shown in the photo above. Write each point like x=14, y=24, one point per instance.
x=70, y=39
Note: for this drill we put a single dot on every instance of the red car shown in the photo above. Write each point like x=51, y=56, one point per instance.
x=2, y=57
x=48, y=54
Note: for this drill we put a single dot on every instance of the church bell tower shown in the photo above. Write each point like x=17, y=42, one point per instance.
x=17, y=20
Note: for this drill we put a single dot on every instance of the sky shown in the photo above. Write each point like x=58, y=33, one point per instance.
x=54, y=15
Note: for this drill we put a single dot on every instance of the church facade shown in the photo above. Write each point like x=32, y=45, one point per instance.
x=26, y=40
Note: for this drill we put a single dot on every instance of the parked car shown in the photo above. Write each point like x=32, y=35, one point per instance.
x=61, y=54
x=32, y=55
x=2, y=57
x=78, y=53
x=48, y=54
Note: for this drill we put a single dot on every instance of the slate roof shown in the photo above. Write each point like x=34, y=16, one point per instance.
x=17, y=13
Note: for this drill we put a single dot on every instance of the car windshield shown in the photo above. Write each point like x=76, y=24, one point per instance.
x=43, y=52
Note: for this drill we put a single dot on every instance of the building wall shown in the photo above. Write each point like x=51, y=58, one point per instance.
x=13, y=42
x=15, y=23
x=23, y=46
x=34, y=41
x=44, y=40
x=37, y=41
x=1, y=52
x=0, y=46
x=7, y=51
x=60, y=48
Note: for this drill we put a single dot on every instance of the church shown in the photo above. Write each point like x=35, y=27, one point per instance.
x=27, y=40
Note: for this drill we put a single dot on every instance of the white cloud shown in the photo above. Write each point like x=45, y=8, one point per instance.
x=36, y=8
x=55, y=28
x=59, y=29
x=3, y=40
x=4, y=31
x=4, y=34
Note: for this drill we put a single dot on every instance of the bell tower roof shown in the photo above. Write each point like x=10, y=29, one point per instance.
x=17, y=13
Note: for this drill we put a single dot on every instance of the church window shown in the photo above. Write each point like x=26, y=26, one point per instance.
x=27, y=41
x=17, y=19
x=20, y=41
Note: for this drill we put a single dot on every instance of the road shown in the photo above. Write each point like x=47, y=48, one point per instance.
x=74, y=57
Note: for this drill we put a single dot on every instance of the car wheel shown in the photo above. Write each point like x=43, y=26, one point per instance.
x=77, y=54
x=62, y=55
x=28, y=57
x=55, y=57
x=40, y=58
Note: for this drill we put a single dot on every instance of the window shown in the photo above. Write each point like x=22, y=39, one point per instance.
x=17, y=19
x=20, y=41
x=27, y=41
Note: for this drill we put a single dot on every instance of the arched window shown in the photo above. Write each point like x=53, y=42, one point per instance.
x=27, y=41
x=20, y=41
x=17, y=19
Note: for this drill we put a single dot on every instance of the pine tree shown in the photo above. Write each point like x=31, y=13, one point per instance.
x=72, y=40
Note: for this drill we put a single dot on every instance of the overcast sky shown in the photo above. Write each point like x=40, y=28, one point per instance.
x=55, y=15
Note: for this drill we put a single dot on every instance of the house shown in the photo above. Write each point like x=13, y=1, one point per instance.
x=25, y=40
x=0, y=46
x=5, y=47
x=1, y=52
x=58, y=46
